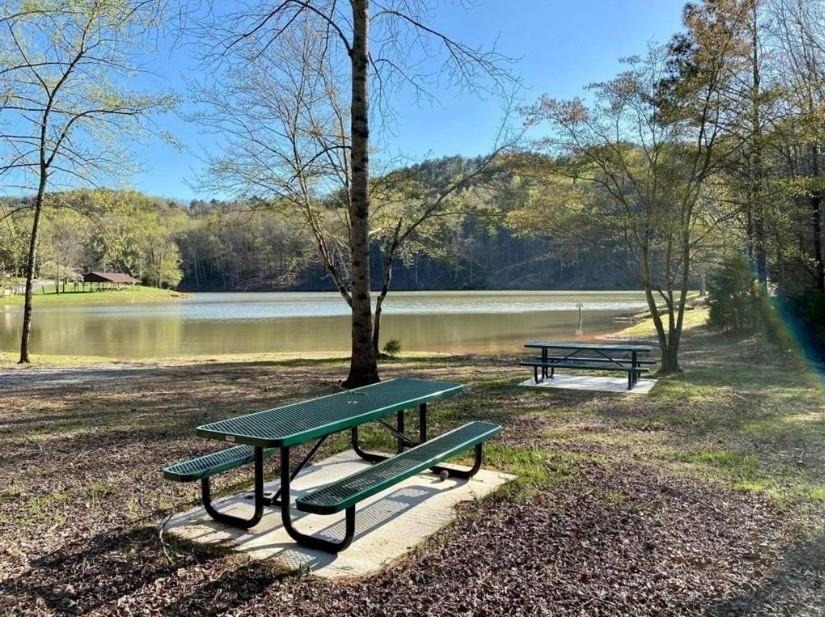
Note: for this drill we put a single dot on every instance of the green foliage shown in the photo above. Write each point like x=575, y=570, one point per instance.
x=66, y=88
x=392, y=347
x=732, y=295
x=240, y=245
x=120, y=231
x=256, y=245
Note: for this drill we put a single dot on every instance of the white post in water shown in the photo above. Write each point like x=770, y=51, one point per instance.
x=580, y=329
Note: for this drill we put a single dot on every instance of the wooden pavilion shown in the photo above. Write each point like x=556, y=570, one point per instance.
x=109, y=279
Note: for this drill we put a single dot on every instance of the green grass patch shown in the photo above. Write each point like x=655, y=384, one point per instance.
x=723, y=459
x=40, y=508
x=816, y=493
x=741, y=471
x=644, y=329
x=535, y=467
x=98, y=490
x=130, y=295
x=613, y=498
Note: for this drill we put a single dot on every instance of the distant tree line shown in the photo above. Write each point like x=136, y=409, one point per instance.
x=215, y=245
x=115, y=231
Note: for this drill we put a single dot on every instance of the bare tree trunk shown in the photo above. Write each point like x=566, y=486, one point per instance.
x=376, y=328
x=379, y=302
x=675, y=339
x=669, y=338
x=670, y=360
x=816, y=222
x=31, y=267
x=757, y=172
x=661, y=335
x=363, y=366
x=779, y=258
x=761, y=250
x=668, y=357
x=816, y=225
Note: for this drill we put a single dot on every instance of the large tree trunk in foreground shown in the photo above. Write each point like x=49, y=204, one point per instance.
x=363, y=366
x=31, y=267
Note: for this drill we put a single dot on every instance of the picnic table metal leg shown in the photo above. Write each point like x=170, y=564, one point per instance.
x=367, y=456
x=399, y=440
x=544, y=363
x=464, y=474
x=302, y=538
x=273, y=500
x=402, y=439
x=236, y=521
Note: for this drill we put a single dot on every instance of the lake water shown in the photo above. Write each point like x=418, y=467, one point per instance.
x=218, y=323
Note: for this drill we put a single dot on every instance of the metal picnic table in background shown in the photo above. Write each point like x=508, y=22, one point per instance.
x=283, y=428
x=596, y=356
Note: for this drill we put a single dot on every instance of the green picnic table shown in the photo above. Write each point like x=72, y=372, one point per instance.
x=623, y=357
x=258, y=435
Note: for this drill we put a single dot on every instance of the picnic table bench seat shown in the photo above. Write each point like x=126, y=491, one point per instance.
x=578, y=364
x=633, y=374
x=345, y=493
x=258, y=435
x=211, y=464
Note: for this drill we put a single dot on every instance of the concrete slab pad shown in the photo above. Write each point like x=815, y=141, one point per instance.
x=388, y=524
x=592, y=383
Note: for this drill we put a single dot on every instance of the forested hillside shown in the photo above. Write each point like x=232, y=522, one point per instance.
x=254, y=246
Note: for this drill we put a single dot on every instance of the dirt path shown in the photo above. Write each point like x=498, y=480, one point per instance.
x=40, y=378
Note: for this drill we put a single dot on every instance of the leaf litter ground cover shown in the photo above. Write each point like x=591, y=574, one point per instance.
x=703, y=498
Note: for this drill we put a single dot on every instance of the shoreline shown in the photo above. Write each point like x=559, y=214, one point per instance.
x=45, y=361
x=139, y=294
x=628, y=326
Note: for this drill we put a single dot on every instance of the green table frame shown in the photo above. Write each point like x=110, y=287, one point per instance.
x=315, y=420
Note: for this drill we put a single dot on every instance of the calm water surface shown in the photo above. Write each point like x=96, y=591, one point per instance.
x=216, y=323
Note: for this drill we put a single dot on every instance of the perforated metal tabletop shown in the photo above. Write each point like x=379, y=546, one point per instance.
x=299, y=423
x=629, y=347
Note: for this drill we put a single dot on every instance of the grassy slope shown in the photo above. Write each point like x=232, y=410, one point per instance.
x=131, y=295
x=644, y=328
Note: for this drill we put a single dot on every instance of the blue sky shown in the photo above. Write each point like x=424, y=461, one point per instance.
x=561, y=46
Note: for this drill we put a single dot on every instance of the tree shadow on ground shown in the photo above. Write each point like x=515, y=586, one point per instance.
x=797, y=587
x=231, y=589
x=91, y=572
